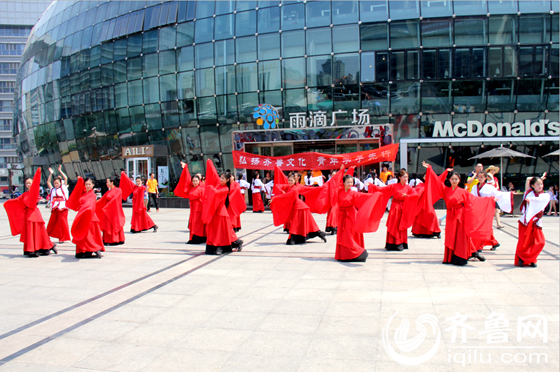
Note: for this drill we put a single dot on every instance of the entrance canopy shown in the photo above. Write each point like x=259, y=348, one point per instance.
x=314, y=160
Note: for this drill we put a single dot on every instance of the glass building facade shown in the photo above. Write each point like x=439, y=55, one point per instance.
x=100, y=76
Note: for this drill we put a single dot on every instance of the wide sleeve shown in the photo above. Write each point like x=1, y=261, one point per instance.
x=282, y=206
x=315, y=198
x=236, y=199
x=113, y=211
x=386, y=193
x=433, y=187
x=370, y=211
x=100, y=205
x=212, y=199
x=479, y=214
x=16, y=214
x=410, y=208
x=73, y=201
x=138, y=198
x=536, y=205
x=82, y=221
x=33, y=193
x=126, y=185
x=212, y=178
x=183, y=187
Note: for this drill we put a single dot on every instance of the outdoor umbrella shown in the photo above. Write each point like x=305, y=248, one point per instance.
x=557, y=153
x=501, y=152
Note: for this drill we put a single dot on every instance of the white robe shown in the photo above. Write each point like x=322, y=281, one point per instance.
x=536, y=205
x=504, y=199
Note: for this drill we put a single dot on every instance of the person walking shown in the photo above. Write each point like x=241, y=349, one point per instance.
x=153, y=192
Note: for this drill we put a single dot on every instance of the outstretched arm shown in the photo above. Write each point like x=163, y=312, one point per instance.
x=49, y=184
x=62, y=174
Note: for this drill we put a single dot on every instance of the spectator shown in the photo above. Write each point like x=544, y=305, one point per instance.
x=385, y=173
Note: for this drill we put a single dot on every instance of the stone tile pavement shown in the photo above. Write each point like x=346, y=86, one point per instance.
x=157, y=304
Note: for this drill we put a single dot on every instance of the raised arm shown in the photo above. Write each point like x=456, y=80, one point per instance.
x=49, y=184
x=62, y=174
x=528, y=186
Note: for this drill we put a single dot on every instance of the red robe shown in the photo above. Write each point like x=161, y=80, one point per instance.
x=58, y=222
x=426, y=223
x=236, y=205
x=86, y=228
x=140, y=220
x=218, y=224
x=401, y=215
x=26, y=220
x=467, y=216
x=295, y=214
x=531, y=238
x=110, y=212
x=185, y=189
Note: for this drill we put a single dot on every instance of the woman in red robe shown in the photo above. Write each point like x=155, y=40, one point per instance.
x=402, y=212
x=332, y=214
x=467, y=216
x=289, y=209
x=26, y=220
x=235, y=214
x=86, y=228
x=531, y=238
x=190, y=188
x=221, y=237
x=110, y=212
x=58, y=221
x=426, y=223
x=140, y=220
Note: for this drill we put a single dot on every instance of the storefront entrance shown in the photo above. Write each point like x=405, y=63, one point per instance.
x=138, y=167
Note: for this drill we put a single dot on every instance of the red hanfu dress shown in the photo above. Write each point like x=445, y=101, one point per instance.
x=401, y=215
x=26, y=220
x=58, y=222
x=140, y=220
x=467, y=216
x=235, y=209
x=110, y=212
x=426, y=223
x=295, y=214
x=86, y=228
x=531, y=238
x=185, y=189
x=221, y=237
x=256, y=188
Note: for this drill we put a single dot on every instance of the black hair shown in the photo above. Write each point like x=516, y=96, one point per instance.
x=461, y=179
x=227, y=176
x=139, y=178
x=195, y=176
x=533, y=181
x=114, y=180
x=57, y=178
x=90, y=179
x=308, y=174
x=414, y=175
x=240, y=176
x=401, y=173
x=257, y=175
x=347, y=177
x=152, y=173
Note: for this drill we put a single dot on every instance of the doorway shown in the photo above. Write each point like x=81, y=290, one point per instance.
x=138, y=167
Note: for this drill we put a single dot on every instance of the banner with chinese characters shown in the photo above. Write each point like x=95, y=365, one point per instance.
x=315, y=160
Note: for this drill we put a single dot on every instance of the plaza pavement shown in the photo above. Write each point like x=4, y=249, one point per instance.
x=157, y=304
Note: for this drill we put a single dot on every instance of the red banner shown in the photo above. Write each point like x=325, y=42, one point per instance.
x=315, y=160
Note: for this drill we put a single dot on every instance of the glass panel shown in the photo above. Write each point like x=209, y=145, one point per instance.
x=469, y=96
x=502, y=30
x=382, y=66
x=479, y=62
x=151, y=90
x=153, y=116
x=135, y=93
x=404, y=35
x=185, y=34
x=121, y=95
x=412, y=65
x=167, y=61
x=534, y=6
x=318, y=13
x=375, y=37
x=204, y=55
x=185, y=59
x=224, y=27
x=429, y=64
x=553, y=96
x=531, y=95
x=150, y=65
x=501, y=95
x=224, y=7
x=405, y=98
x=375, y=98
x=436, y=97
x=541, y=60
x=204, y=27
x=168, y=87
x=554, y=60
x=185, y=85
x=207, y=110
x=246, y=104
x=167, y=36
x=269, y=75
x=404, y=9
x=293, y=44
x=444, y=63
x=205, y=82
x=368, y=67
x=495, y=62
x=247, y=77
x=246, y=23
x=502, y=7
x=397, y=66
x=470, y=31
x=269, y=46
x=204, y=9
x=150, y=44
x=319, y=41
x=293, y=72
x=462, y=63
x=464, y=7
x=119, y=71
x=436, y=33
x=346, y=38
x=555, y=29
x=246, y=49
x=526, y=61
x=319, y=71
x=269, y=20
x=211, y=139
x=224, y=52
x=344, y=12
x=225, y=80
x=436, y=8
x=294, y=101
x=245, y=5
x=531, y=29
x=134, y=46
x=510, y=62
x=293, y=17
x=371, y=11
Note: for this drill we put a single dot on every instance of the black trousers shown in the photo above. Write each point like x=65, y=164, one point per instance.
x=153, y=196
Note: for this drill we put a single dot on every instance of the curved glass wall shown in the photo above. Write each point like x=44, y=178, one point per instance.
x=100, y=75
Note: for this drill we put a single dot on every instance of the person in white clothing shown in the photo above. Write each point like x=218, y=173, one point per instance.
x=58, y=221
x=256, y=188
x=415, y=181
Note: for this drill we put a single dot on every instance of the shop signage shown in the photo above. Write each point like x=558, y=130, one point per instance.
x=138, y=151
x=314, y=160
x=474, y=128
x=319, y=119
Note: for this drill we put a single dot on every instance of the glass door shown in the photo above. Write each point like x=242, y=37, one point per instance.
x=138, y=167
